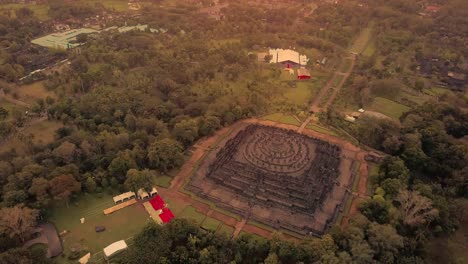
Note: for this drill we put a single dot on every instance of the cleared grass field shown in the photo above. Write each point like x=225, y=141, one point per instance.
x=211, y=224
x=30, y=93
x=370, y=49
x=10, y=107
x=163, y=181
x=191, y=213
x=388, y=107
x=301, y=94
x=320, y=129
x=39, y=10
x=282, y=118
x=225, y=229
x=43, y=133
x=122, y=224
x=360, y=43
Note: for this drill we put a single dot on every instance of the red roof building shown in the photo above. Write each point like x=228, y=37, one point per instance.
x=303, y=74
x=166, y=215
x=432, y=8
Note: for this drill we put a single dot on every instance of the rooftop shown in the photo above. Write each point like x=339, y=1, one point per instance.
x=283, y=55
x=62, y=40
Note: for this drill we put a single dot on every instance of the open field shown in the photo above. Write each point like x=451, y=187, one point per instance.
x=320, y=129
x=225, y=229
x=40, y=10
x=362, y=40
x=370, y=49
x=282, y=118
x=42, y=132
x=388, y=107
x=122, y=224
x=30, y=93
x=302, y=93
x=210, y=224
x=11, y=107
x=163, y=181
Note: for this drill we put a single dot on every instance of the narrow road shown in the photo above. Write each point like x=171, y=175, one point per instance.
x=329, y=88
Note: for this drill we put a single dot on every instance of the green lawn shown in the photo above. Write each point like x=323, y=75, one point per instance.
x=388, y=107
x=301, y=94
x=370, y=49
x=10, y=107
x=282, y=118
x=286, y=76
x=122, y=224
x=320, y=129
x=191, y=213
x=361, y=42
x=225, y=229
x=356, y=179
x=163, y=181
x=40, y=11
x=210, y=224
x=117, y=5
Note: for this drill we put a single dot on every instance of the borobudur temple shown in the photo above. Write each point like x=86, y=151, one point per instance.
x=277, y=177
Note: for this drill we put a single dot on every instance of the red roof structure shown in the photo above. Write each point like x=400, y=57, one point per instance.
x=303, y=74
x=157, y=203
x=166, y=215
x=433, y=8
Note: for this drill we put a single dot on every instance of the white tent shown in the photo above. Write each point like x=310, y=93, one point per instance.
x=142, y=194
x=114, y=248
x=153, y=192
x=123, y=197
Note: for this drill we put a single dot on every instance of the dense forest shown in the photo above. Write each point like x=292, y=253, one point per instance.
x=133, y=104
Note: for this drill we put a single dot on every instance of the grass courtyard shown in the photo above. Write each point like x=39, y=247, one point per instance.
x=282, y=118
x=43, y=133
x=388, y=107
x=360, y=44
x=120, y=225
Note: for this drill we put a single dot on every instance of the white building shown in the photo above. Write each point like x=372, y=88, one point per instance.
x=287, y=56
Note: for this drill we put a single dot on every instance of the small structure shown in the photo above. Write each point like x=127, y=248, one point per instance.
x=85, y=259
x=99, y=229
x=114, y=248
x=361, y=110
x=153, y=192
x=123, y=197
x=287, y=57
x=142, y=194
x=350, y=119
x=119, y=206
x=303, y=74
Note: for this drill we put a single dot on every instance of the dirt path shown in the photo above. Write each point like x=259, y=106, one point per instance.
x=343, y=80
x=239, y=227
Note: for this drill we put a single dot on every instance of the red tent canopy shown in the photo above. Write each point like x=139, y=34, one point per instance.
x=166, y=215
x=157, y=202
